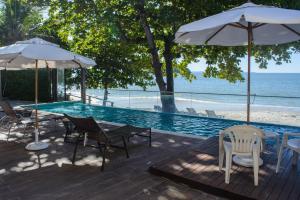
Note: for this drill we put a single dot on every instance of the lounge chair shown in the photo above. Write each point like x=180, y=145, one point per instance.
x=212, y=114
x=157, y=108
x=14, y=118
x=192, y=111
x=89, y=129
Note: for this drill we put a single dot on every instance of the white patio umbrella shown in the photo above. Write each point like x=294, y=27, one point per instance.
x=247, y=24
x=37, y=53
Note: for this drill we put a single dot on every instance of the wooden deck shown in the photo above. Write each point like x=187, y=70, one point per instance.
x=199, y=169
x=49, y=174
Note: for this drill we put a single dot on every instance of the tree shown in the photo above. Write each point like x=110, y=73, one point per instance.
x=18, y=18
x=150, y=27
x=91, y=34
x=159, y=20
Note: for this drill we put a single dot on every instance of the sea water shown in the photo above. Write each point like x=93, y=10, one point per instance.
x=194, y=94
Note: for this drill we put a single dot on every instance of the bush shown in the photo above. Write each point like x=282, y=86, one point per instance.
x=20, y=85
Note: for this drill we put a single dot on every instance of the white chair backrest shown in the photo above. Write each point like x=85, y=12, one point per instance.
x=243, y=137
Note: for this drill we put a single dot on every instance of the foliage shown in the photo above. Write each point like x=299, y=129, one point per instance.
x=165, y=17
x=18, y=18
x=19, y=85
x=80, y=24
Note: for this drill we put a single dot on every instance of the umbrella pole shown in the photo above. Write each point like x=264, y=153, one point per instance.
x=36, y=145
x=36, y=131
x=250, y=35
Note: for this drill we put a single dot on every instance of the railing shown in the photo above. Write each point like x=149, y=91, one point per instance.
x=225, y=97
x=90, y=99
x=264, y=108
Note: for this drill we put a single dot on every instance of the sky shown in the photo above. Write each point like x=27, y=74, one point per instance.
x=293, y=67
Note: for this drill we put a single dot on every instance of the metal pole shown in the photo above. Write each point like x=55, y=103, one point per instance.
x=250, y=37
x=83, y=86
x=1, y=85
x=36, y=94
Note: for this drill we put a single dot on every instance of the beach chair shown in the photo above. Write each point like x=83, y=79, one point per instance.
x=245, y=141
x=157, y=108
x=89, y=129
x=192, y=111
x=15, y=118
x=212, y=114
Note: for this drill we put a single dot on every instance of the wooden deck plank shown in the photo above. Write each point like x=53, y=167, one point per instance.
x=21, y=177
x=207, y=177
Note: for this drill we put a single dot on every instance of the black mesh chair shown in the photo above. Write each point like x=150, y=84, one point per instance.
x=15, y=118
x=88, y=127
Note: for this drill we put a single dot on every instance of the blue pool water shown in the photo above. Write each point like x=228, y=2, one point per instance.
x=190, y=125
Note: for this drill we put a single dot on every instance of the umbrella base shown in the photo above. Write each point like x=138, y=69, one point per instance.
x=36, y=146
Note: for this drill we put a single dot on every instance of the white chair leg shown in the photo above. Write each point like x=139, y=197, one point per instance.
x=255, y=168
x=221, y=159
x=227, y=170
x=295, y=158
x=279, y=158
x=85, y=139
x=277, y=145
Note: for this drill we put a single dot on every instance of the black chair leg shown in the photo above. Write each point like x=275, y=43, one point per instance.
x=75, y=150
x=103, y=157
x=9, y=130
x=150, y=138
x=125, y=146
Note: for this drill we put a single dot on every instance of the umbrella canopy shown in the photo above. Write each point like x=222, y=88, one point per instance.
x=24, y=54
x=247, y=24
x=37, y=53
x=270, y=25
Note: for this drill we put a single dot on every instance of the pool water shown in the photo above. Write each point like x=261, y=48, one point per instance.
x=190, y=125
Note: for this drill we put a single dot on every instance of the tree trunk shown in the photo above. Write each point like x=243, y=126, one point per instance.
x=167, y=98
x=105, y=96
x=169, y=72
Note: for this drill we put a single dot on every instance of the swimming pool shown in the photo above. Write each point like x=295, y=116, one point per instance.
x=189, y=125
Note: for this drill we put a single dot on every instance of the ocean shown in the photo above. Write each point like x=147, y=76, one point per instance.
x=190, y=94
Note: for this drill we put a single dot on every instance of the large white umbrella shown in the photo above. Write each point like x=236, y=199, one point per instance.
x=247, y=24
x=37, y=53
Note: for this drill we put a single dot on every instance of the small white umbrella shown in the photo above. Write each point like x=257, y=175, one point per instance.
x=247, y=24
x=37, y=53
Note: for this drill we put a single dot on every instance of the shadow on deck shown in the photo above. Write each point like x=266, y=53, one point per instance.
x=48, y=174
x=199, y=169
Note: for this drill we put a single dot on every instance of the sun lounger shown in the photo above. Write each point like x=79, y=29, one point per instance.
x=14, y=118
x=88, y=128
x=157, y=108
x=192, y=111
x=212, y=114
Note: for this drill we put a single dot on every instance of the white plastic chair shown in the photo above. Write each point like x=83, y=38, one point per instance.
x=244, y=141
x=292, y=144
